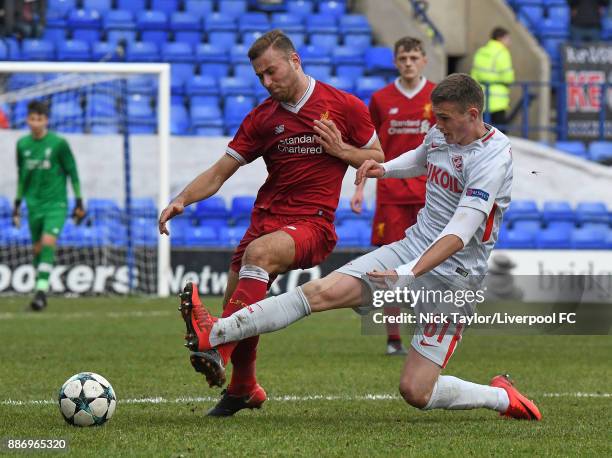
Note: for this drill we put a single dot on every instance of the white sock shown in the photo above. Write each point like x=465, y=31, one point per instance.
x=269, y=315
x=452, y=393
x=254, y=272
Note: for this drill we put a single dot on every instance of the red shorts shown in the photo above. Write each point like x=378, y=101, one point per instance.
x=314, y=237
x=391, y=221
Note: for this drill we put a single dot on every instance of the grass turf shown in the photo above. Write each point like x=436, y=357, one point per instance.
x=137, y=344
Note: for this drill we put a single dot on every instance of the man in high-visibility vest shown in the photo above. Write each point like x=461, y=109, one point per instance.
x=493, y=70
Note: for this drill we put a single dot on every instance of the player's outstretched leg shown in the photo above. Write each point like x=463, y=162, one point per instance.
x=519, y=406
x=198, y=323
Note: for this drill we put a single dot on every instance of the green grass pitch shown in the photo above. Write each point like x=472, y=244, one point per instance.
x=320, y=374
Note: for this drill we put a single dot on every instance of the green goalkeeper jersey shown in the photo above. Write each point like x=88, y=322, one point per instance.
x=43, y=166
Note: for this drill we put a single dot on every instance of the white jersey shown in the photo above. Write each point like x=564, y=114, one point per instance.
x=479, y=176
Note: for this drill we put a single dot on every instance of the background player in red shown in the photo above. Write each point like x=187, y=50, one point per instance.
x=402, y=115
x=307, y=133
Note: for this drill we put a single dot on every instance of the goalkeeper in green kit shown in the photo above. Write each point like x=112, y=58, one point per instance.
x=44, y=160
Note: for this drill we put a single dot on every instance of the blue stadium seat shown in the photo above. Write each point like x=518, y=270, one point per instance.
x=102, y=6
x=179, y=120
x=233, y=7
x=367, y=85
x=135, y=6
x=214, y=60
x=51, y=33
x=199, y=8
x=67, y=116
x=206, y=116
x=575, y=148
x=15, y=236
x=115, y=36
x=342, y=83
x=14, y=50
x=354, y=24
x=177, y=51
x=85, y=25
x=553, y=28
x=360, y=41
x=522, y=210
x=73, y=50
x=379, y=61
x=560, y=13
x=142, y=51
x=4, y=52
x=241, y=208
x=348, y=61
x=348, y=236
x=297, y=38
x=534, y=14
x=553, y=238
x=553, y=48
x=6, y=208
x=268, y=6
x=300, y=8
x=325, y=41
x=221, y=29
x=201, y=85
x=103, y=209
x=32, y=49
x=143, y=207
x=319, y=72
x=601, y=151
x=187, y=28
x=589, y=239
x=248, y=38
x=311, y=55
x=332, y=8
x=236, y=107
x=59, y=9
x=165, y=6
x=208, y=131
x=102, y=50
x=561, y=225
x=101, y=105
x=557, y=211
x=231, y=236
x=142, y=84
x=253, y=22
x=143, y=232
x=518, y=240
x=287, y=23
x=213, y=207
x=119, y=20
x=232, y=85
x=318, y=23
x=530, y=226
x=592, y=212
x=153, y=26
x=139, y=107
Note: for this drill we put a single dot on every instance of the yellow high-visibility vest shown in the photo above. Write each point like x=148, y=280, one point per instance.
x=493, y=65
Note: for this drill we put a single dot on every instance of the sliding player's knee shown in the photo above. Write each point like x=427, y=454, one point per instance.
x=415, y=395
x=258, y=254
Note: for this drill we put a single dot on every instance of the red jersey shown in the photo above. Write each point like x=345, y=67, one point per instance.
x=302, y=178
x=402, y=118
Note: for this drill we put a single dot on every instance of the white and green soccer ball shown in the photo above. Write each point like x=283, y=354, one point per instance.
x=87, y=399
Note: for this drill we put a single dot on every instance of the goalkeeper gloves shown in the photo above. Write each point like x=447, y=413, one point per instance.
x=78, y=214
x=17, y=213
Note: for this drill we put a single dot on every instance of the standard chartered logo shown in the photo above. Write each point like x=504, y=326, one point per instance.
x=408, y=126
x=302, y=144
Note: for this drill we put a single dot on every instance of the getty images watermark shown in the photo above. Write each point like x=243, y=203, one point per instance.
x=493, y=304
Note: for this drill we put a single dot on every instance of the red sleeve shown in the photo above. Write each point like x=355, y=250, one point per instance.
x=247, y=145
x=361, y=131
x=374, y=111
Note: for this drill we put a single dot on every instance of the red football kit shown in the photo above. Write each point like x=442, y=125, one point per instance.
x=301, y=193
x=402, y=117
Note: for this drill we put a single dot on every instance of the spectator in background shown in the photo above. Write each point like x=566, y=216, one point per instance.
x=493, y=69
x=585, y=22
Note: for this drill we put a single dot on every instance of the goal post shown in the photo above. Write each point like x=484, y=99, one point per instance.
x=77, y=77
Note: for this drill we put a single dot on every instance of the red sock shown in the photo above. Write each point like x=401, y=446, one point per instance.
x=248, y=291
x=393, y=330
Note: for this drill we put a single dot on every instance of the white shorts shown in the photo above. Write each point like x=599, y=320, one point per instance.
x=435, y=341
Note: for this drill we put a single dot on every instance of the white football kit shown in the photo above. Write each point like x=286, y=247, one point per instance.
x=477, y=176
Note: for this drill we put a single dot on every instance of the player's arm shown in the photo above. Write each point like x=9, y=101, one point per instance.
x=203, y=186
x=16, y=217
x=410, y=164
x=330, y=138
x=357, y=199
x=457, y=233
x=70, y=168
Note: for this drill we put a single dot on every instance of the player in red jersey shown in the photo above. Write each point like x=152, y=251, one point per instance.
x=402, y=115
x=307, y=133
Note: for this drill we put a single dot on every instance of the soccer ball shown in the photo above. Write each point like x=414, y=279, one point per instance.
x=87, y=399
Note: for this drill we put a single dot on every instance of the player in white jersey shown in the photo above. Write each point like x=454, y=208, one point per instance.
x=469, y=176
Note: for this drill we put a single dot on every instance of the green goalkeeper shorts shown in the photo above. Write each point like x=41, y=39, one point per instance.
x=46, y=222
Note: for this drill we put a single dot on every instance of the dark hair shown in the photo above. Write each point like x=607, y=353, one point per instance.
x=275, y=38
x=408, y=44
x=461, y=89
x=499, y=32
x=38, y=107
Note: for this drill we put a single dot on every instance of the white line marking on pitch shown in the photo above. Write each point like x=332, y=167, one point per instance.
x=285, y=398
x=81, y=315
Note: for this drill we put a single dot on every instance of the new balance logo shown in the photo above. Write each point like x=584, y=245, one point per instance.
x=279, y=129
x=393, y=110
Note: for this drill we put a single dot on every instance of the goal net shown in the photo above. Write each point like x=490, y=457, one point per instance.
x=115, y=117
